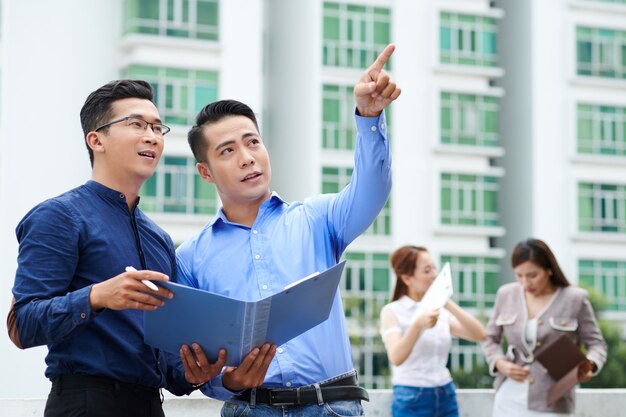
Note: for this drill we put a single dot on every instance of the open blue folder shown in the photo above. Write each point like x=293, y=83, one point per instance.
x=215, y=321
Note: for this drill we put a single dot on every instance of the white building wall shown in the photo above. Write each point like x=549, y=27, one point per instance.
x=51, y=60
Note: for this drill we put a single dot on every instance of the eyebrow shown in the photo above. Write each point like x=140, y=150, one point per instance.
x=140, y=116
x=231, y=141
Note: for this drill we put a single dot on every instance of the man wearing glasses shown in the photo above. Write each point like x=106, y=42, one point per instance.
x=86, y=259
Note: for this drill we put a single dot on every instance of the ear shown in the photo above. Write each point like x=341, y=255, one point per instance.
x=205, y=172
x=94, y=142
x=406, y=279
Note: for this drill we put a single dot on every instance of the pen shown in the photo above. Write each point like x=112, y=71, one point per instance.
x=146, y=282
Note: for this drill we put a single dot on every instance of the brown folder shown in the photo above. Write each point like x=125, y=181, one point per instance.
x=561, y=358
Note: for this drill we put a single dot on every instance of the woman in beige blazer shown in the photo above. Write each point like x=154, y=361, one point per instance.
x=530, y=313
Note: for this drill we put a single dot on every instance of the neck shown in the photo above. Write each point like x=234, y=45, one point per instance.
x=415, y=296
x=243, y=212
x=245, y=215
x=129, y=188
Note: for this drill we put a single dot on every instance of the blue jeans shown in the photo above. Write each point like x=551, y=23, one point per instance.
x=427, y=401
x=233, y=408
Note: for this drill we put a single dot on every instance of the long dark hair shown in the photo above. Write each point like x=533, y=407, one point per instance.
x=537, y=252
x=403, y=261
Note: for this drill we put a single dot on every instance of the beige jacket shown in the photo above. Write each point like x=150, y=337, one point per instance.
x=569, y=312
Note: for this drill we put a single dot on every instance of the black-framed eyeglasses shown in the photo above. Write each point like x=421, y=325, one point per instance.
x=139, y=126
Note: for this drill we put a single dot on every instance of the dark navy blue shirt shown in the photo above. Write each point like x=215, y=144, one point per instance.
x=68, y=243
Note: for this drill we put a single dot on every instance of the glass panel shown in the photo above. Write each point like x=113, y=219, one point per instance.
x=469, y=200
x=175, y=188
x=353, y=35
x=365, y=290
x=178, y=93
x=601, y=52
x=196, y=19
x=467, y=40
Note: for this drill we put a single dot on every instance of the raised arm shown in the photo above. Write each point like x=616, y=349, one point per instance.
x=464, y=325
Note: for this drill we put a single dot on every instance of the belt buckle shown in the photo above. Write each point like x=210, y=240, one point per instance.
x=278, y=391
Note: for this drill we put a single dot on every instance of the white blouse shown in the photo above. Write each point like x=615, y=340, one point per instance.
x=426, y=364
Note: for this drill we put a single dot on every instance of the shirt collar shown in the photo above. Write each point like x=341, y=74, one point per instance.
x=407, y=302
x=106, y=192
x=271, y=202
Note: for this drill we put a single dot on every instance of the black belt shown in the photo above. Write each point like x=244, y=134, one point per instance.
x=75, y=381
x=340, y=390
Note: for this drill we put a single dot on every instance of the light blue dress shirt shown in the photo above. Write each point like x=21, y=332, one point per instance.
x=287, y=242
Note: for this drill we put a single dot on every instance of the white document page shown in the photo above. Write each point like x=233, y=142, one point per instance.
x=438, y=293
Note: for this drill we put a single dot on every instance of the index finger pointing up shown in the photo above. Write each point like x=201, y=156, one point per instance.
x=383, y=58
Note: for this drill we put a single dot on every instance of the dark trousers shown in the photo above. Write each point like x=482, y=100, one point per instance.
x=88, y=396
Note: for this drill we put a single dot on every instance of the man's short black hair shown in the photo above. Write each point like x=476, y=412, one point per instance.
x=212, y=113
x=98, y=107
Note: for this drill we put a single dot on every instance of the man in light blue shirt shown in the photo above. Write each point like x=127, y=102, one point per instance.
x=258, y=243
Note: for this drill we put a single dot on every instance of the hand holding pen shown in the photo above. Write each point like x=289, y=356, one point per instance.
x=131, y=289
x=147, y=283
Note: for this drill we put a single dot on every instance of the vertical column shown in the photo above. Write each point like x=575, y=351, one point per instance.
x=53, y=55
x=292, y=96
x=241, y=33
x=516, y=120
x=412, y=134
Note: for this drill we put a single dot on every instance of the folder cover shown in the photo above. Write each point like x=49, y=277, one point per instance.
x=215, y=321
x=561, y=359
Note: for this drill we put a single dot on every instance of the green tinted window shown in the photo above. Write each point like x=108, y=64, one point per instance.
x=178, y=93
x=354, y=35
x=606, y=277
x=468, y=119
x=334, y=179
x=469, y=200
x=175, y=188
x=195, y=19
x=365, y=289
x=601, y=130
x=601, y=52
x=601, y=208
x=467, y=40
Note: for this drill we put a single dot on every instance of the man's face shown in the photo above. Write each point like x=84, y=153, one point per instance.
x=236, y=161
x=129, y=152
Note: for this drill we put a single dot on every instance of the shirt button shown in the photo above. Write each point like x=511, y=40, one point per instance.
x=256, y=232
x=539, y=321
x=264, y=287
x=280, y=350
x=563, y=322
x=382, y=126
x=83, y=315
x=531, y=381
x=257, y=256
x=538, y=344
x=288, y=384
x=373, y=128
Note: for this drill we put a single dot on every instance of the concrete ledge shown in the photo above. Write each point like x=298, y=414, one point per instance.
x=472, y=403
